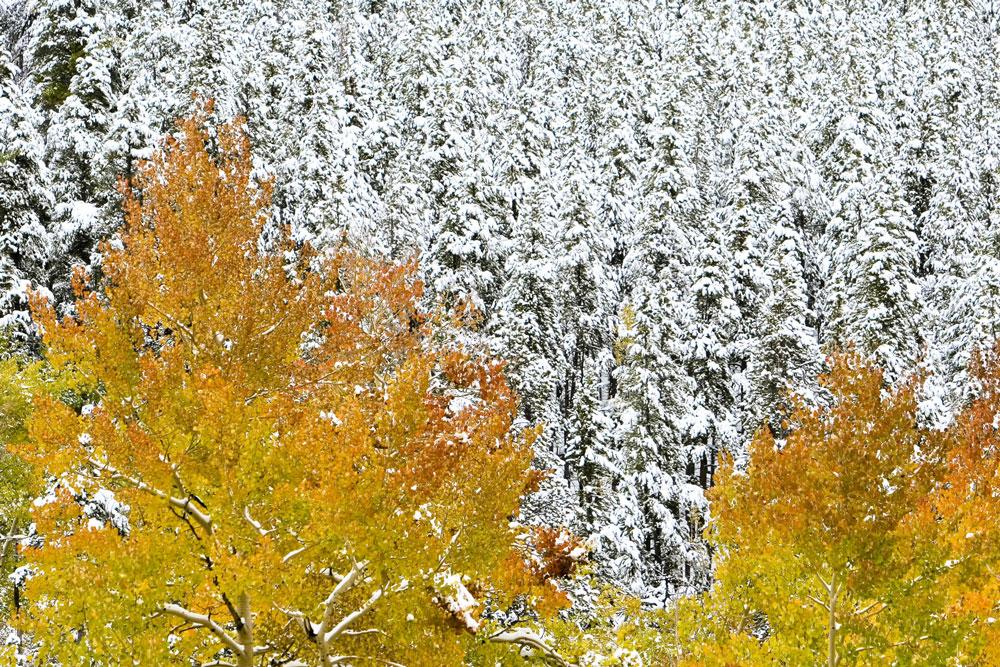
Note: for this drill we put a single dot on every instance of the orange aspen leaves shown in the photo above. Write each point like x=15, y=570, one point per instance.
x=842, y=544
x=309, y=464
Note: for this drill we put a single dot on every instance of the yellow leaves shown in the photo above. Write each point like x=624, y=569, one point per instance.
x=626, y=335
x=52, y=441
x=273, y=418
x=617, y=632
x=858, y=516
x=16, y=384
x=845, y=476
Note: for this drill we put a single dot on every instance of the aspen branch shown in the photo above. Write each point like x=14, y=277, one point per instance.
x=822, y=605
x=293, y=553
x=530, y=640
x=204, y=621
x=311, y=629
x=328, y=572
x=862, y=649
x=353, y=616
x=346, y=583
x=264, y=532
x=183, y=504
x=173, y=320
x=271, y=329
x=861, y=613
x=234, y=613
x=340, y=659
x=175, y=471
x=245, y=650
x=323, y=634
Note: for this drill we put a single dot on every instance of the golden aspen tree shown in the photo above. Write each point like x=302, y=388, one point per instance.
x=965, y=511
x=824, y=553
x=18, y=485
x=314, y=472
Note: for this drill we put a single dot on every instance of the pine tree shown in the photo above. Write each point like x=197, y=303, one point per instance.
x=587, y=297
x=25, y=202
x=872, y=298
x=525, y=326
x=785, y=356
x=953, y=219
x=77, y=59
x=650, y=409
x=708, y=351
x=780, y=343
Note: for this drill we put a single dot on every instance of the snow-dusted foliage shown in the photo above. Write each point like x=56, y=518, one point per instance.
x=662, y=212
x=25, y=201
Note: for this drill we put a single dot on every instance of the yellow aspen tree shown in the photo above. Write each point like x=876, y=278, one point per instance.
x=17, y=483
x=824, y=554
x=966, y=508
x=314, y=472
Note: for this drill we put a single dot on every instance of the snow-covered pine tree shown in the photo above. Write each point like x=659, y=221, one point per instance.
x=777, y=341
x=708, y=336
x=647, y=534
x=76, y=55
x=25, y=202
x=15, y=32
x=587, y=296
x=466, y=244
x=949, y=163
x=525, y=325
x=872, y=296
x=324, y=190
x=784, y=356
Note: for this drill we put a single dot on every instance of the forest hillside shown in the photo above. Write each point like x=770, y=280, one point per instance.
x=643, y=244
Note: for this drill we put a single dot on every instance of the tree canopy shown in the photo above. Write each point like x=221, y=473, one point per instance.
x=861, y=537
x=264, y=455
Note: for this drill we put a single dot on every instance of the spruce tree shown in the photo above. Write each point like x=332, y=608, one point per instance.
x=25, y=202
